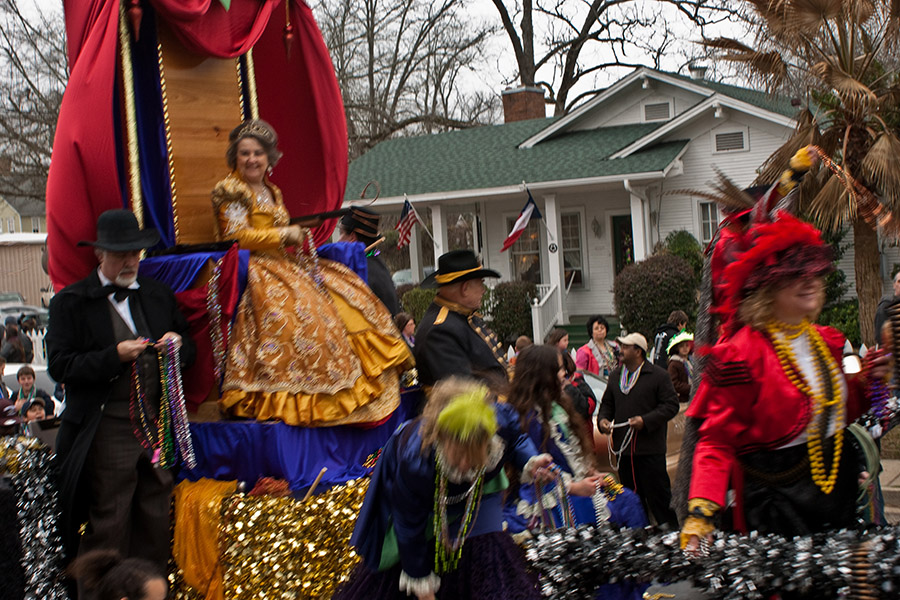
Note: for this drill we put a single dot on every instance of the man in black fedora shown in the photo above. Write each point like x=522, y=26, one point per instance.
x=105, y=330
x=452, y=338
x=361, y=225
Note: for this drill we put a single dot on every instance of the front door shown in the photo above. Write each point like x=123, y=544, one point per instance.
x=623, y=243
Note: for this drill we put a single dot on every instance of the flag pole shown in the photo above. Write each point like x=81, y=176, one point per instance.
x=550, y=236
x=418, y=218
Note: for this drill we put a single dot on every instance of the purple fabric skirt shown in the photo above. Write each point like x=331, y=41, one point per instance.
x=492, y=567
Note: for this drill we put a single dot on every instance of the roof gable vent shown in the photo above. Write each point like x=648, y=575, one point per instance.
x=726, y=142
x=657, y=111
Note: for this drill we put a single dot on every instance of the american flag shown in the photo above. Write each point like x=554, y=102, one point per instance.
x=408, y=220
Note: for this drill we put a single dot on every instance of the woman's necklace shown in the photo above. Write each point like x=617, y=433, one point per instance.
x=827, y=398
x=447, y=552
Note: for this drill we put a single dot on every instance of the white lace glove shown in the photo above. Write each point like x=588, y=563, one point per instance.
x=429, y=584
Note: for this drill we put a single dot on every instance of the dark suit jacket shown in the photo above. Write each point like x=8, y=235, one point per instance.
x=382, y=285
x=447, y=345
x=81, y=349
x=652, y=398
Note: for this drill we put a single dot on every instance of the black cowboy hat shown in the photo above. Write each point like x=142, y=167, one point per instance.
x=455, y=266
x=363, y=222
x=118, y=231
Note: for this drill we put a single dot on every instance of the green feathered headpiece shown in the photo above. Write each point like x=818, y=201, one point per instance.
x=468, y=414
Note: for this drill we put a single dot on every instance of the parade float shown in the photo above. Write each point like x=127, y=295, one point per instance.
x=265, y=509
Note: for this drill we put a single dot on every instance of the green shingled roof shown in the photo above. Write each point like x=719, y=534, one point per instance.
x=770, y=102
x=487, y=157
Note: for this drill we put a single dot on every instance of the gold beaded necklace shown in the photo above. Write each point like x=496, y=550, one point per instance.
x=829, y=397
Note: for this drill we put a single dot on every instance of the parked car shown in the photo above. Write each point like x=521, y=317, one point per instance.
x=42, y=315
x=404, y=276
x=11, y=299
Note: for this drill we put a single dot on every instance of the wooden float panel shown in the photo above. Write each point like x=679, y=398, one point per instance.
x=204, y=104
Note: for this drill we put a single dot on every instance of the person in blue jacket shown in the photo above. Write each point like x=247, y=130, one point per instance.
x=431, y=523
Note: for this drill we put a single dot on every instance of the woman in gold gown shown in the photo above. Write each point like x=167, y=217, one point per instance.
x=311, y=344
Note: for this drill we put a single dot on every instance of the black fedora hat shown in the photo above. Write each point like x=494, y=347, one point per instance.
x=362, y=221
x=456, y=266
x=118, y=231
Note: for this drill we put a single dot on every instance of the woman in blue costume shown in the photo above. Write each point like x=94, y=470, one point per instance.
x=431, y=523
x=547, y=414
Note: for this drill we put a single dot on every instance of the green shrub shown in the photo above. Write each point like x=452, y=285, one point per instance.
x=646, y=292
x=682, y=243
x=509, y=307
x=402, y=289
x=843, y=316
x=416, y=302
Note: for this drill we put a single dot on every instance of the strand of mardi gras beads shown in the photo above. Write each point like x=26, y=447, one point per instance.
x=446, y=552
x=820, y=400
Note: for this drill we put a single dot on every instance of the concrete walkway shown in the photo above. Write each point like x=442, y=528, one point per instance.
x=890, y=487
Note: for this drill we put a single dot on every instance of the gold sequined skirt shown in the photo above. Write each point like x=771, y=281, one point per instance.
x=310, y=354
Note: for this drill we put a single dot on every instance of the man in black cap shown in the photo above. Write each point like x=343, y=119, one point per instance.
x=105, y=331
x=452, y=338
x=361, y=225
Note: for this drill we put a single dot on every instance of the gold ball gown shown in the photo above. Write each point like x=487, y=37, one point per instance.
x=311, y=344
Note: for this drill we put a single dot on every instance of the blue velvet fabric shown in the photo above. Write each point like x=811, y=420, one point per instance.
x=352, y=254
x=178, y=271
x=401, y=495
x=248, y=450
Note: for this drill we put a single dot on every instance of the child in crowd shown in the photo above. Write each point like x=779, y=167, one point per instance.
x=105, y=575
x=27, y=392
x=681, y=370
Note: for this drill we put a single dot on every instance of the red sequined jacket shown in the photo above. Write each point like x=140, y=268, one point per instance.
x=749, y=404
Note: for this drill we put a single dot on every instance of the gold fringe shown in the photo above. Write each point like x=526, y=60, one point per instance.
x=169, y=148
x=134, y=167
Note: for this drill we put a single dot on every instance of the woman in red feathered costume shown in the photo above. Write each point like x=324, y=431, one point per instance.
x=774, y=399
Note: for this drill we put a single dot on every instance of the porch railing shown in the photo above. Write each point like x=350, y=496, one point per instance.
x=545, y=312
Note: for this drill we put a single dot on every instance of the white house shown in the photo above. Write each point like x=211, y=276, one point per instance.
x=610, y=179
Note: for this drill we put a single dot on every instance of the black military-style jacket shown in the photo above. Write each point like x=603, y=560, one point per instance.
x=453, y=340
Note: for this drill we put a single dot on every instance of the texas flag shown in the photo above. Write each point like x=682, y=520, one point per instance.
x=530, y=210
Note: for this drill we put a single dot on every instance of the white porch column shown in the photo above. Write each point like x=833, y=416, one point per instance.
x=415, y=254
x=439, y=231
x=554, y=259
x=638, y=226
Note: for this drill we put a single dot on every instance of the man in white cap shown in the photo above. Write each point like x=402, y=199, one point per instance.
x=637, y=405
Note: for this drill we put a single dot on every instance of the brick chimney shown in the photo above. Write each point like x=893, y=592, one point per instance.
x=523, y=103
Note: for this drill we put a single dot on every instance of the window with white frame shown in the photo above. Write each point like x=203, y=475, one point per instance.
x=730, y=140
x=525, y=254
x=10, y=225
x=709, y=221
x=572, y=249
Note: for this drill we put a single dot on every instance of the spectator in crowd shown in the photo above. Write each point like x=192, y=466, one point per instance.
x=407, y=326
x=522, y=342
x=103, y=329
x=105, y=575
x=35, y=410
x=677, y=321
x=28, y=392
x=27, y=324
x=361, y=224
x=681, y=370
x=452, y=338
x=5, y=392
x=579, y=390
x=640, y=394
x=881, y=313
x=13, y=349
x=558, y=337
x=599, y=356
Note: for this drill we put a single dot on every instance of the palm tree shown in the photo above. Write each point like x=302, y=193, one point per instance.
x=840, y=55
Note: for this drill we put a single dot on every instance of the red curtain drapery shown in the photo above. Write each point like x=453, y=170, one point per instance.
x=300, y=97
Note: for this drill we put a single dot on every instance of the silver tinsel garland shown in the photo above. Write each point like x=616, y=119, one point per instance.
x=842, y=564
x=28, y=466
